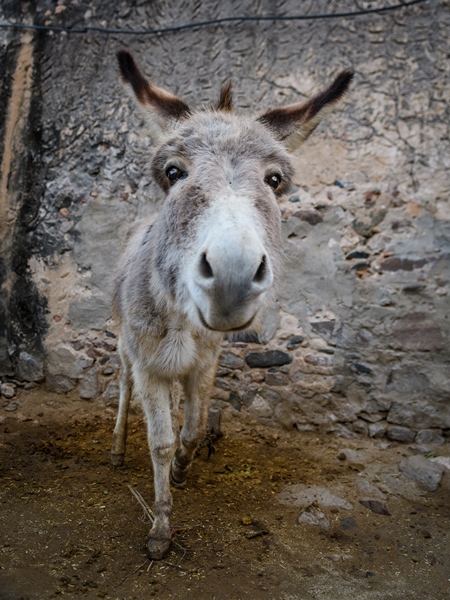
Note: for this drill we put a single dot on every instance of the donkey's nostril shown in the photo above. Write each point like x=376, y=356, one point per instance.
x=261, y=271
x=205, y=268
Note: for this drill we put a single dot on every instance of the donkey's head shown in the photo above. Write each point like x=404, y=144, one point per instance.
x=219, y=249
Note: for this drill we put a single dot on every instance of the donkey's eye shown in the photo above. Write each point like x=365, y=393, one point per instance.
x=274, y=180
x=173, y=174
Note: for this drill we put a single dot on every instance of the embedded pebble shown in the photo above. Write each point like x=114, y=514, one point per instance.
x=423, y=471
x=348, y=523
x=228, y=360
x=269, y=358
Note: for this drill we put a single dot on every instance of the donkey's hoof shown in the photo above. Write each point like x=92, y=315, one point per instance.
x=178, y=484
x=157, y=549
x=179, y=474
x=117, y=459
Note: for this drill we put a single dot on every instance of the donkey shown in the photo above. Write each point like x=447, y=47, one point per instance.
x=207, y=266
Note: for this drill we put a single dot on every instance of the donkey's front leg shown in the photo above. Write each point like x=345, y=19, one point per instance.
x=197, y=387
x=156, y=403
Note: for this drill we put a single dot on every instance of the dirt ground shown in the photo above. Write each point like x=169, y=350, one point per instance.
x=69, y=524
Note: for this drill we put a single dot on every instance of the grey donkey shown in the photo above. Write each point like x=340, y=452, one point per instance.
x=208, y=265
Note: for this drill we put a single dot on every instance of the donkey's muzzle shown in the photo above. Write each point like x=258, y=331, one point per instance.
x=231, y=287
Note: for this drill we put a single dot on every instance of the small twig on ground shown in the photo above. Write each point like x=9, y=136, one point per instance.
x=178, y=545
x=150, y=565
x=176, y=567
x=147, y=510
x=133, y=573
x=184, y=554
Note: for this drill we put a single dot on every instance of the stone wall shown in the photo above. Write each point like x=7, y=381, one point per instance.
x=362, y=325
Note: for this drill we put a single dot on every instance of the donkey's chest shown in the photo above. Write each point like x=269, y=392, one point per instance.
x=176, y=353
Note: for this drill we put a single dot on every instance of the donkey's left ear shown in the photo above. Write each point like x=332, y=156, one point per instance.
x=161, y=108
x=293, y=124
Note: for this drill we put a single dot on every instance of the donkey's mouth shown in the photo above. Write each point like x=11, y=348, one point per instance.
x=224, y=329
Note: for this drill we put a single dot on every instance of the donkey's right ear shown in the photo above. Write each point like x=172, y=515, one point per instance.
x=162, y=109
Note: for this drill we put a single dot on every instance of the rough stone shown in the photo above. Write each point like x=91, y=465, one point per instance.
x=8, y=390
x=12, y=406
x=310, y=216
x=276, y=379
x=228, y=360
x=372, y=417
x=296, y=339
x=260, y=408
x=442, y=460
x=223, y=384
x=269, y=358
x=255, y=377
x=305, y=495
x=367, y=487
x=378, y=430
x=361, y=369
x=420, y=413
x=400, y=434
x=394, y=263
x=380, y=508
x=64, y=360
x=90, y=312
x=313, y=516
x=348, y=523
x=360, y=426
x=317, y=359
x=430, y=437
x=341, y=430
x=112, y=391
x=30, y=368
x=248, y=397
x=426, y=473
x=417, y=331
x=59, y=383
x=235, y=401
x=284, y=415
x=89, y=385
x=296, y=376
x=272, y=397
